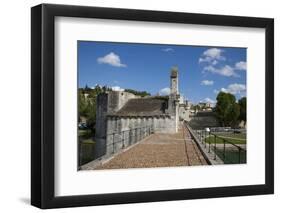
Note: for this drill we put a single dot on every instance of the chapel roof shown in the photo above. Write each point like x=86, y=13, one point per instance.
x=143, y=107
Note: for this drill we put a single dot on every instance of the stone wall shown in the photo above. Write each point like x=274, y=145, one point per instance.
x=203, y=120
x=107, y=103
x=116, y=132
x=117, y=99
x=125, y=131
x=101, y=125
x=174, y=97
x=184, y=113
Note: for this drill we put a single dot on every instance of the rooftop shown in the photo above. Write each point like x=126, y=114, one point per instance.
x=151, y=106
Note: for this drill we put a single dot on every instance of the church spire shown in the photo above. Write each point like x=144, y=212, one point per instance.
x=174, y=81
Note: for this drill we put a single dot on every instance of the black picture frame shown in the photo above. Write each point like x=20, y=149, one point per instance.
x=43, y=102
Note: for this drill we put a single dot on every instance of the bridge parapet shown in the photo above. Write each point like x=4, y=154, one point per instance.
x=208, y=153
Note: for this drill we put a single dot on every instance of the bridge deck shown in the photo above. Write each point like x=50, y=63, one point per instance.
x=158, y=150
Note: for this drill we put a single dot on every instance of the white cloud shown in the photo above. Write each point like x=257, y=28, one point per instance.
x=212, y=59
x=224, y=90
x=111, y=59
x=227, y=71
x=216, y=91
x=235, y=89
x=165, y=91
x=241, y=65
x=95, y=86
x=168, y=49
x=117, y=88
x=212, y=56
x=224, y=71
x=210, y=101
x=207, y=82
x=210, y=69
x=213, y=52
x=215, y=62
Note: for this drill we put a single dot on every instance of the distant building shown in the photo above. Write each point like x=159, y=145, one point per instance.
x=184, y=110
x=86, y=95
x=205, y=106
x=203, y=119
x=181, y=101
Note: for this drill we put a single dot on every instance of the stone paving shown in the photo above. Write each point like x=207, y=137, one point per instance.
x=157, y=150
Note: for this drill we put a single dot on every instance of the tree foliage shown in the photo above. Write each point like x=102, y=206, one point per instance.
x=243, y=109
x=139, y=93
x=196, y=107
x=227, y=109
x=87, y=98
x=87, y=104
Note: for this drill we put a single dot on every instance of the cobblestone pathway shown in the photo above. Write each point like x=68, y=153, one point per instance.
x=158, y=150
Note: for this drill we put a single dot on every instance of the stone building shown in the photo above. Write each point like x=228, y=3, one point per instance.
x=203, y=119
x=184, y=110
x=123, y=118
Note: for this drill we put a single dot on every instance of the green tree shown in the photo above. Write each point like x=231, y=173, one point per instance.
x=82, y=104
x=243, y=109
x=196, y=107
x=87, y=98
x=139, y=93
x=91, y=113
x=233, y=115
x=87, y=104
x=227, y=110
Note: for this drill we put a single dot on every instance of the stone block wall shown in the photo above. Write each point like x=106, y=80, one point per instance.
x=117, y=99
x=184, y=113
x=125, y=131
x=107, y=103
x=101, y=125
x=199, y=121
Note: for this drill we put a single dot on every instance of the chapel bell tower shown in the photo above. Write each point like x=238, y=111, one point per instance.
x=174, y=96
x=174, y=87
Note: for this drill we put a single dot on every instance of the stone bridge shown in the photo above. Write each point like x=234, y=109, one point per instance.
x=156, y=150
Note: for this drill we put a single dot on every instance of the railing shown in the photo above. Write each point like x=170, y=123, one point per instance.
x=126, y=138
x=115, y=141
x=227, y=130
x=85, y=151
x=223, y=148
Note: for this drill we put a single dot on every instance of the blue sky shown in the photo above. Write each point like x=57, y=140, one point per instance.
x=203, y=71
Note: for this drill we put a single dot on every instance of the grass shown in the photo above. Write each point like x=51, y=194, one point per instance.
x=87, y=151
x=228, y=137
x=85, y=133
x=88, y=141
x=232, y=135
x=231, y=156
x=87, y=146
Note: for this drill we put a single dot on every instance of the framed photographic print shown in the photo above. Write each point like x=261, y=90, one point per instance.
x=139, y=106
